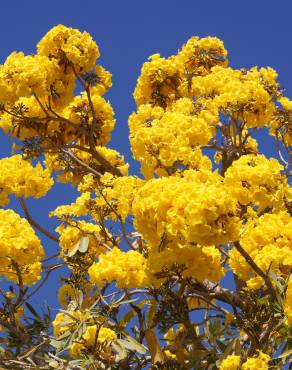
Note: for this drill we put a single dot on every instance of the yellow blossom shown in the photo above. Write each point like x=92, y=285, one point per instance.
x=20, y=178
x=268, y=241
x=195, y=207
x=20, y=248
x=231, y=362
x=68, y=44
x=126, y=268
x=258, y=363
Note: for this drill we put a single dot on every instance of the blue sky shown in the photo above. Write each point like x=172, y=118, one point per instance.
x=254, y=32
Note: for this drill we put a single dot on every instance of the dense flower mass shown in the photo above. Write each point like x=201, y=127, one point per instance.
x=20, y=178
x=23, y=75
x=183, y=209
x=254, y=179
x=163, y=139
x=68, y=45
x=126, y=268
x=195, y=262
x=258, y=363
x=231, y=362
x=268, y=241
x=116, y=195
x=20, y=249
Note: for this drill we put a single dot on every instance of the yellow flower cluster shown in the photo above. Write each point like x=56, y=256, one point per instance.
x=169, y=126
x=254, y=179
x=92, y=330
x=69, y=46
x=17, y=316
x=288, y=302
x=57, y=164
x=195, y=207
x=127, y=269
x=103, y=78
x=93, y=336
x=78, y=110
x=20, y=248
x=268, y=240
x=258, y=363
x=68, y=322
x=247, y=93
x=116, y=195
x=18, y=128
x=158, y=81
x=20, y=178
x=280, y=125
x=67, y=293
x=162, y=139
x=23, y=75
x=231, y=362
x=195, y=262
x=38, y=92
x=79, y=208
x=198, y=56
x=163, y=80
x=70, y=236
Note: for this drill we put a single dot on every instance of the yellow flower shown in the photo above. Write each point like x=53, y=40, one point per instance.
x=257, y=180
x=163, y=139
x=126, y=268
x=117, y=194
x=19, y=246
x=259, y=363
x=23, y=75
x=268, y=241
x=19, y=177
x=231, y=362
x=195, y=207
x=69, y=44
x=66, y=293
x=105, y=335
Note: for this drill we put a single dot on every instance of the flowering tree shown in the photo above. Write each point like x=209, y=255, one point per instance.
x=150, y=258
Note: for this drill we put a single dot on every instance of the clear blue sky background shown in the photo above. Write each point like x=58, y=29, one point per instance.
x=255, y=32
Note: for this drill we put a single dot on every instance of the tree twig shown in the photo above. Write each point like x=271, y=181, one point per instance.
x=256, y=268
x=34, y=223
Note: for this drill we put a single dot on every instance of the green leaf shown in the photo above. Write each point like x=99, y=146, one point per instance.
x=73, y=250
x=83, y=244
x=64, y=335
x=275, y=279
x=207, y=330
x=237, y=347
x=221, y=345
x=54, y=364
x=216, y=327
x=33, y=311
x=56, y=343
x=130, y=315
x=120, y=349
x=286, y=353
x=133, y=345
x=155, y=350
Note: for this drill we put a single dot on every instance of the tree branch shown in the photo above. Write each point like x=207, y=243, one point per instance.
x=256, y=269
x=34, y=223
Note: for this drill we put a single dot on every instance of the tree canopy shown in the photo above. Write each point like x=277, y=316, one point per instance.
x=184, y=266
